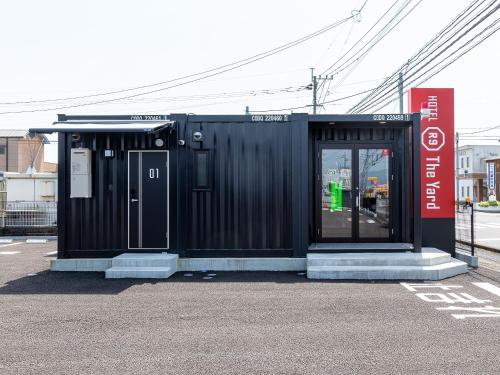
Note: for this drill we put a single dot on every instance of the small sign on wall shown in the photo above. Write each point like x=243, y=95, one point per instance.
x=490, y=173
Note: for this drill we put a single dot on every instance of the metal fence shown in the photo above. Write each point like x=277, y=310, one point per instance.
x=464, y=228
x=28, y=215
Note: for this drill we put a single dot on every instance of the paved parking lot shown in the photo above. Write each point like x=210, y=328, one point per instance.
x=241, y=323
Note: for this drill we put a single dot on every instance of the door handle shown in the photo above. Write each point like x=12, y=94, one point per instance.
x=134, y=200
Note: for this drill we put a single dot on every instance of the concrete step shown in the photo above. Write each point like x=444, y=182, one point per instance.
x=349, y=247
x=428, y=257
x=145, y=260
x=139, y=272
x=434, y=272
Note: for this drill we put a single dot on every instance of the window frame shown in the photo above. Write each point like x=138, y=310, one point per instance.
x=208, y=169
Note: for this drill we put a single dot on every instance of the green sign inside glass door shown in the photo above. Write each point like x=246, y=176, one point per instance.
x=336, y=196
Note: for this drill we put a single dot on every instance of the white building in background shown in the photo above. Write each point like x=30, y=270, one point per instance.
x=36, y=187
x=472, y=170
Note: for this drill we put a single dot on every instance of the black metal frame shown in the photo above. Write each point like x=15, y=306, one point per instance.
x=355, y=234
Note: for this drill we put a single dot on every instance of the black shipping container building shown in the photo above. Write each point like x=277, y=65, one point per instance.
x=237, y=186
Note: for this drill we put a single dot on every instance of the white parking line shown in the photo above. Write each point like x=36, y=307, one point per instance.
x=9, y=252
x=52, y=253
x=489, y=287
x=11, y=244
x=36, y=240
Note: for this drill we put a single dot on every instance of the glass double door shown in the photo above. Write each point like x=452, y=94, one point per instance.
x=354, y=190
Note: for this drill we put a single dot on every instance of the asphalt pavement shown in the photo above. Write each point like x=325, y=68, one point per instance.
x=241, y=323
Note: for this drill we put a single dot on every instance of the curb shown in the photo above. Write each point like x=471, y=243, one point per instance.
x=32, y=239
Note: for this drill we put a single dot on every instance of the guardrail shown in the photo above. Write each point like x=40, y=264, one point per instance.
x=464, y=228
x=28, y=215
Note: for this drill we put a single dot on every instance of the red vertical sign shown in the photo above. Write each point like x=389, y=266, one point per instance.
x=437, y=150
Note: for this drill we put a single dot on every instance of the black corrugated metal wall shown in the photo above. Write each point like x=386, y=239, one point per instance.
x=256, y=204
x=248, y=205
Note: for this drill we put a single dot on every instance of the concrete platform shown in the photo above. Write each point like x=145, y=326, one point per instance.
x=430, y=264
x=241, y=264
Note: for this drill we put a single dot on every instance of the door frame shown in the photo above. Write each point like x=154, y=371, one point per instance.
x=354, y=147
x=319, y=191
x=140, y=200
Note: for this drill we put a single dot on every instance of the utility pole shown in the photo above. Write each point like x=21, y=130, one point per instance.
x=314, y=88
x=314, y=84
x=457, y=169
x=400, y=88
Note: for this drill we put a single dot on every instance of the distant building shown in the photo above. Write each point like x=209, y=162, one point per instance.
x=472, y=170
x=28, y=187
x=20, y=152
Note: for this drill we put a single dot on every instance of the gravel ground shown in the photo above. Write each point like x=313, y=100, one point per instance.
x=234, y=323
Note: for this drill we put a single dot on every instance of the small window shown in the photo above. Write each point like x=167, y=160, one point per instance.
x=462, y=192
x=2, y=149
x=201, y=170
x=468, y=191
x=467, y=162
x=461, y=162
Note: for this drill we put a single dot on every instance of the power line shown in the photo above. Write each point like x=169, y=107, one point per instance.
x=319, y=104
x=481, y=131
x=415, y=58
x=327, y=70
x=361, y=53
x=448, y=63
x=385, y=88
x=206, y=73
x=381, y=35
x=388, y=92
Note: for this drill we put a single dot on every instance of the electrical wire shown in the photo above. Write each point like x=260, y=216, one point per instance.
x=327, y=70
x=359, y=55
x=205, y=74
x=393, y=78
x=309, y=105
x=448, y=63
x=379, y=37
x=481, y=131
x=385, y=88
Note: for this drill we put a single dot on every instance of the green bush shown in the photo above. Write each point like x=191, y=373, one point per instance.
x=489, y=204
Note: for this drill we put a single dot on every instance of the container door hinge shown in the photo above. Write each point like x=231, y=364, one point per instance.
x=318, y=231
x=318, y=176
x=392, y=230
x=392, y=177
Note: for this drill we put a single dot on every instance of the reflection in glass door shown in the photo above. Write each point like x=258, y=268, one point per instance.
x=374, y=193
x=336, y=193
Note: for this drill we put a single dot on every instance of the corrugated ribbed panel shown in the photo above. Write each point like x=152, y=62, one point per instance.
x=249, y=204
